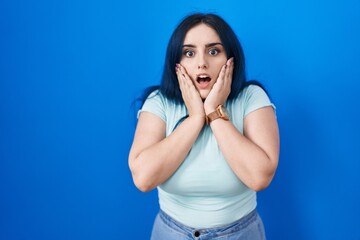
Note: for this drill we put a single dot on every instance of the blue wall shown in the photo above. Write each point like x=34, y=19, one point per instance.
x=70, y=69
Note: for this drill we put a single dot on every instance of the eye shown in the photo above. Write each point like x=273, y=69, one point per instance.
x=214, y=51
x=189, y=53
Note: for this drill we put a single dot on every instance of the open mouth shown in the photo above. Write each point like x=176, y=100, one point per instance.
x=203, y=79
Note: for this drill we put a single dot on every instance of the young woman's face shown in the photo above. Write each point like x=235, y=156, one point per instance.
x=203, y=55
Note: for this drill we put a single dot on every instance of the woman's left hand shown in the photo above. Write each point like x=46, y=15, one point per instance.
x=221, y=89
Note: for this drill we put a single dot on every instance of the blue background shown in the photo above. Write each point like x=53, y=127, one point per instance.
x=69, y=71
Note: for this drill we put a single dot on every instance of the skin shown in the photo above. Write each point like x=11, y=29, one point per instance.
x=203, y=53
x=253, y=156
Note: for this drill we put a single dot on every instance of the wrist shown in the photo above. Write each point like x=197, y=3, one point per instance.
x=197, y=119
x=219, y=113
x=209, y=110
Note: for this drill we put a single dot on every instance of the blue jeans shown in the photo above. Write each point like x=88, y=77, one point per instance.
x=249, y=227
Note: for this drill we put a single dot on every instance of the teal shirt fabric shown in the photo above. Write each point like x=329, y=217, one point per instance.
x=204, y=192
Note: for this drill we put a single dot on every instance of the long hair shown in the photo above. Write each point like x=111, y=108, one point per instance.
x=169, y=85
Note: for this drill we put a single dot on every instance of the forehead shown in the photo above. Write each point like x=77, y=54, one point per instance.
x=201, y=34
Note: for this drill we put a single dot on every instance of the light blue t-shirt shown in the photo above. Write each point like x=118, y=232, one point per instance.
x=204, y=192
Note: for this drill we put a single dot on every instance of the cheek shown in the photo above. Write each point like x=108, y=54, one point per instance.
x=189, y=67
x=185, y=63
x=219, y=65
x=221, y=62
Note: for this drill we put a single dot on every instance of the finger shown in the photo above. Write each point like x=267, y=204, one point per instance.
x=229, y=70
x=183, y=72
x=180, y=77
x=186, y=85
x=186, y=78
x=178, y=74
x=222, y=75
x=228, y=67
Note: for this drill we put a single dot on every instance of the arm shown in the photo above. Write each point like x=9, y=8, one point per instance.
x=254, y=155
x=153, y=157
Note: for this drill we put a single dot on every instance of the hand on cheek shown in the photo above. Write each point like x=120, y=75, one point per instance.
x=190, y=94
x=221, y=89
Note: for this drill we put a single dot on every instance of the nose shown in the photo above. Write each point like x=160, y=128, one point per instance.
x=202, y=61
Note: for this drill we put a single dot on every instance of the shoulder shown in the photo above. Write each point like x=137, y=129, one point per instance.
x=158, y=104
x=253, y=97
x=249, y=92
x=159, y=97
x=155, y=98
x=253, y=89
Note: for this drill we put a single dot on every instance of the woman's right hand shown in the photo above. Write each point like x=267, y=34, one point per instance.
x=190, y=94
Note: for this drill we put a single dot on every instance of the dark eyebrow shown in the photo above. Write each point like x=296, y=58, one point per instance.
x=188, y=45
x=207, y=45
x=213, y=44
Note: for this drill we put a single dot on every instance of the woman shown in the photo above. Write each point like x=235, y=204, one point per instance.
x=206, y=138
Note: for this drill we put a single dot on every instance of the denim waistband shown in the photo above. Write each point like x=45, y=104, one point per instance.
x=216, y=231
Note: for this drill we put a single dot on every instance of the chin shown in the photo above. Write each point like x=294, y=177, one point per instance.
x=204, y=95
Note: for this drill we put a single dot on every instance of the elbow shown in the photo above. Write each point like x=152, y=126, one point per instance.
x=259, y=186
x=260, y=183
x=142, y=185
x=262, y=178
x=140, y=181
x=143, y=188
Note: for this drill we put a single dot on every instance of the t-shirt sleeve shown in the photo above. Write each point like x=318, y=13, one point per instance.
x=154, y=104
x=256, y=98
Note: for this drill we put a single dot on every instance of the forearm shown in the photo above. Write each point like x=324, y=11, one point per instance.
x=157, y=163
x=249, y=162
